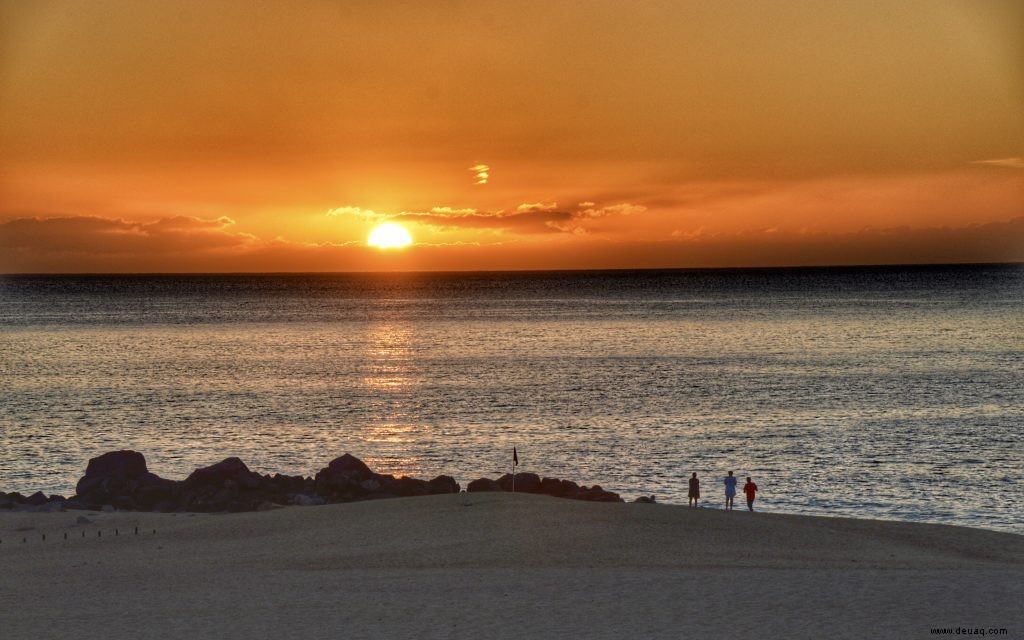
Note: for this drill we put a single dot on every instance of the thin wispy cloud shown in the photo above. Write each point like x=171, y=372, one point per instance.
x=481, y=173
x=358, y=212
x=529, y=217
x=98, y=235
x=1009, y=163
x=622, y=209
x=449, y=211
x=537, y=206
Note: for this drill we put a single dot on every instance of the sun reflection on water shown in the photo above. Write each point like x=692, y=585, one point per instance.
x=388, y=358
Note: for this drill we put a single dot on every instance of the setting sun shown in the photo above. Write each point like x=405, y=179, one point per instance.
x=389, y=236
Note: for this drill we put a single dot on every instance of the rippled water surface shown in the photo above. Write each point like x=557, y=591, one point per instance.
x=878, y=392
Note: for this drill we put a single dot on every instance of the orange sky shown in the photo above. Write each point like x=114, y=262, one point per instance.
x=257, y=136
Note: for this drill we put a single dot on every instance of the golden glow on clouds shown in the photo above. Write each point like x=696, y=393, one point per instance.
x=681, y=133
x=481, y=173
x=389, y=236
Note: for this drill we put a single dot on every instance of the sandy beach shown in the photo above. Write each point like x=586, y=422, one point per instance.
x=500, y=566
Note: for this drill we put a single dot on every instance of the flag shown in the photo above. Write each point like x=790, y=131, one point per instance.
x=515, y=457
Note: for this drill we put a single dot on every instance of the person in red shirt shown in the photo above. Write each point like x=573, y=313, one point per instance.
x=751, y=490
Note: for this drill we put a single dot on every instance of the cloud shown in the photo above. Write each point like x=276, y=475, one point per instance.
x=531, y=221
x=623, y=209
x=535, y=217
x=184, y=244
x=96, y=235
x=449, y=211
x=481, y=173
x=529, y=217
x=352, y=211
x=537, y=206
x=1009, y=163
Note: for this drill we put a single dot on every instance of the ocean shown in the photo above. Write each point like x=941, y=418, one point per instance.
x=882, y=392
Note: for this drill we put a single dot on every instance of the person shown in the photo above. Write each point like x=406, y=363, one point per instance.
x=751, y=490
x=730, y=490
x=694, y=490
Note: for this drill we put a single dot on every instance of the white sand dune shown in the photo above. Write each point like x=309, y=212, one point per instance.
x=500, y=566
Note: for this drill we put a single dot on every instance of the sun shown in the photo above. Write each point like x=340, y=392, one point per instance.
x=389, y=236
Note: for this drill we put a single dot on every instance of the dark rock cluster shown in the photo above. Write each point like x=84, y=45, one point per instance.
x=120, y=480
x=35, y=502
x=532, y=483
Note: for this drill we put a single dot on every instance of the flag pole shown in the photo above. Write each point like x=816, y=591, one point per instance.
x=515, y=461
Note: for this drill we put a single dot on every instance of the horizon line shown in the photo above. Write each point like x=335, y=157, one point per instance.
x=521, y=271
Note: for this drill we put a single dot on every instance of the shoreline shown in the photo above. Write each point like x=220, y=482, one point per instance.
x=503, y=566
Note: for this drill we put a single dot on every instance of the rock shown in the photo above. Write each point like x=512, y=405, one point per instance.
x=113, y=478
x=483, y=484
x=342, y=480
x=108, y=508
x=597, y=494
x=407, y=487
x=114, y=467
x=442, y=484
x=229, y=469
x=350, y=467
x=124, y=503
x=36, y=499
x=82, y=520
x=524, y=482
x=268, y=506
x=123, y=464
x=646, y=500
x=370, y=485
x=165, y=493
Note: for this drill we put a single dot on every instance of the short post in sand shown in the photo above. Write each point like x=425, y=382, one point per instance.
x=515, y=462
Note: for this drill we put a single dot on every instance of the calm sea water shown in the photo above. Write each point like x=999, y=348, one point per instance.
x=873, y=392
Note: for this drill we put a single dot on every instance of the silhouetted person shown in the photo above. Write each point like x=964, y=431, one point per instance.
x=730, y=490
x=694, y=490
x=751, y=490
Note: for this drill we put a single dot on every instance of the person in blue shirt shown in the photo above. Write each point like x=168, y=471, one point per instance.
x=730, y=490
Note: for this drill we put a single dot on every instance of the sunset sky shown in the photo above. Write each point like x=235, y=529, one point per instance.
x=275, y=136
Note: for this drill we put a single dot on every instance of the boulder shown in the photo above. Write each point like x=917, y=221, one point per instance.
x=442, y=485
x=227, y=470
x=350, y=467
x=407, y=487
x=646, y=500
x=162, y=494
x=124, y=503
x=120, y=464
x=113, y=478
x=483, y=484
x=524, y=482
x=348, y=478
x=36, y=499
x=597, y=494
